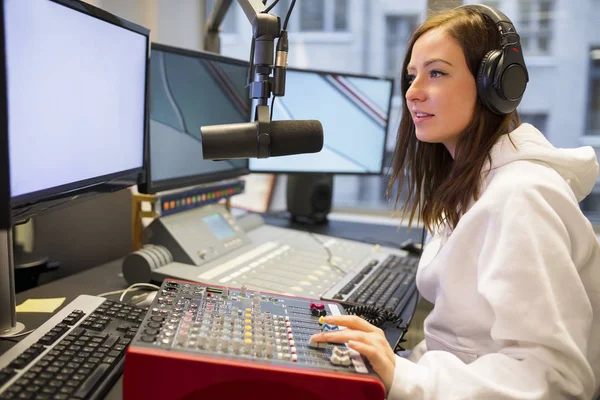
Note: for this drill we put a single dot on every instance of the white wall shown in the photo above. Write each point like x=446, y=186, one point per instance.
x=177, y=23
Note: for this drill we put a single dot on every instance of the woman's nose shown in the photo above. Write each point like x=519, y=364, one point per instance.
x=415, y=92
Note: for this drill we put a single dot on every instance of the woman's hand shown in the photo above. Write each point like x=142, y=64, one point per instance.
x=365, y=338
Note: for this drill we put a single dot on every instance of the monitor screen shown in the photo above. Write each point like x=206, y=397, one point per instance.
x=191, y=89
x=354, y=112
x=5, y=211
x=76, y=88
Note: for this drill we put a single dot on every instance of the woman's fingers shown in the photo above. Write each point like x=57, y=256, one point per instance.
x=352, y=322
x=380, y=363
x=340, y=336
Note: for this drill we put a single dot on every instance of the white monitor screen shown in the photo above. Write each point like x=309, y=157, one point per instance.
x=354, y=112
x=76, y=96
x=190, y=90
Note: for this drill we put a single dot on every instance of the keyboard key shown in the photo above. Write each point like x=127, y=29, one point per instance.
x=91, y=382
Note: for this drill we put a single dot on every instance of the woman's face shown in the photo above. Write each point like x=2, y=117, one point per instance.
x=442, y=93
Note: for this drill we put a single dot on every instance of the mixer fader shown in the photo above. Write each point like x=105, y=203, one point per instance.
x=207, y=340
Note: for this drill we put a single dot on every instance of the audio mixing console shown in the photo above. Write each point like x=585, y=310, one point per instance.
x=198, y=341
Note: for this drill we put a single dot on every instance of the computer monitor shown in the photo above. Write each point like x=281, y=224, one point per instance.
x=74, y=80
x=190, y=89
x=354, y=111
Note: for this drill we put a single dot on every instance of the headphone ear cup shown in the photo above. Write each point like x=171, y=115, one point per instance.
x=485, y=77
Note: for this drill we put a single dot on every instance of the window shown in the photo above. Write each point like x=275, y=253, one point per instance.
x=534, y=24
x=539, y=120
x=229, y=24
x=378, y=32
x=491, y=3
x=398, y=29
x=593, y=111
x=316, y=15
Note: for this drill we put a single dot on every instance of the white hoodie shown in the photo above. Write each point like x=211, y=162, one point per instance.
x=516, y=285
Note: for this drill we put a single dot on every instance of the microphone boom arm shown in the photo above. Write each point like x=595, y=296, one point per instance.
x=265, y=29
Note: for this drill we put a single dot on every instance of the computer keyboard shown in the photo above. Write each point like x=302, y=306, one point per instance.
x=386, y=283
x=76, y=354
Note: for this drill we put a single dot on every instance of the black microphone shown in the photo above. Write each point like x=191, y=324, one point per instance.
x=241, y=140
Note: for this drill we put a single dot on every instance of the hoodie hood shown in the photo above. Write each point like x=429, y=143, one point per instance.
x=578, y=167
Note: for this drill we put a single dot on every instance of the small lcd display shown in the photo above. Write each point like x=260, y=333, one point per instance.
x=218, y=226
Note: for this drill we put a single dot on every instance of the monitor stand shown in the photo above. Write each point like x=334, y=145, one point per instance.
x=8, y=315
x=309, y=197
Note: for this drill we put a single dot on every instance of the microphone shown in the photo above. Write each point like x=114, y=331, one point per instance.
x=242, y=140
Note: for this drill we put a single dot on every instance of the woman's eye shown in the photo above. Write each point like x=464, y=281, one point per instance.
x=436, y=74
x=410, y=79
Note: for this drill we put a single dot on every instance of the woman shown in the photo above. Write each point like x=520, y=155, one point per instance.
x=513, y=266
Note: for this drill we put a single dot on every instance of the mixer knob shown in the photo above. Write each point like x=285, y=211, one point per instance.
x=225, y=292
x=335, y=359
x=243, y=290
x=340, y=351
x=258, y=348
x=316, y=345
x=212, y=342
x=340, y=360
x=269, y=350
x=224, y=344
x=236, y=345
x=202, y=342
x=247, y=346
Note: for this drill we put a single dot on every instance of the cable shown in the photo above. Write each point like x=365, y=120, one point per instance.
x=271, y=6
x=272, y=107
x=251, y=66
x=329, y=255
x=374, y=315
x=135, y=286
x=16, y=335
x=287, y=17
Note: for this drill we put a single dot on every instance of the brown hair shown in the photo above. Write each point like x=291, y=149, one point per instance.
x=441, y=188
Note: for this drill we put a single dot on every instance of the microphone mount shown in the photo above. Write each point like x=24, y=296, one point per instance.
x=265, y=29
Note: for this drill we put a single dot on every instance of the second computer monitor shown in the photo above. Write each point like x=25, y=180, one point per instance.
x=190, y=89
x=354, y=111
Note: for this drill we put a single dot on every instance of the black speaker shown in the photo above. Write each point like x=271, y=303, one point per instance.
x=309, y=197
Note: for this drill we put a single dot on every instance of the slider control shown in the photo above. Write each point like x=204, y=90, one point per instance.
x=316, y=345
x=340, y=356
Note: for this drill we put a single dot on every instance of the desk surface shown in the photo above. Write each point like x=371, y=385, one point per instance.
x=108, y=277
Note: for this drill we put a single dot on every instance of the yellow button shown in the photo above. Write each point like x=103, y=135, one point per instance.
x=249, y=334
x=249, y=341
x=248, y=327
x=249, y=321
x=248, y=315
x=248, y=309
x=321, y=320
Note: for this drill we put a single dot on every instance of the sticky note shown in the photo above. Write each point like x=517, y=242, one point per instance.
x=41, y=305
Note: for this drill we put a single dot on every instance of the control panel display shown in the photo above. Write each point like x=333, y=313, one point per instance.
x=218, y=226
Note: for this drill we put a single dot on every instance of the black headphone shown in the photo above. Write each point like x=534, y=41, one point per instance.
x=502, y=76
